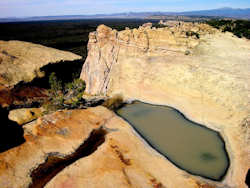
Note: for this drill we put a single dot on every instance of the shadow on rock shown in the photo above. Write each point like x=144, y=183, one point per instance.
x=11, y=134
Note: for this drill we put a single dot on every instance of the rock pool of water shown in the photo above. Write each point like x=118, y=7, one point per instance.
x=190, y=146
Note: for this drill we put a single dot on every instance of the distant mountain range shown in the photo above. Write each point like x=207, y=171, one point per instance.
x=222, y=12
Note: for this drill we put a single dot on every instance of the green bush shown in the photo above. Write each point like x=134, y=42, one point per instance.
x=55, y=84
x=156, y=25
x=77, y=86
x=240, y=28
x=69, y=96
x=192, y=33
x=114, y=102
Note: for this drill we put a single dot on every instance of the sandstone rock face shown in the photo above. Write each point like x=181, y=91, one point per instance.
x=119, y=158
x=21, y=61
x=53, y=136
x=124, y=160
x=21, y=96
x=107, y=47
x=210, y=84
x=25, y=115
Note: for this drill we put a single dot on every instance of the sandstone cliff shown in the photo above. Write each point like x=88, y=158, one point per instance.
x=107, y=47
x=197, y=69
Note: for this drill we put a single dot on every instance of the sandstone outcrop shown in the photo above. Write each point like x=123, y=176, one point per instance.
x=195, y=68
x=53, y=137
x=21, y=61
x=88, y=148
x=107, y=47
x=25, y=115
x=21, y=96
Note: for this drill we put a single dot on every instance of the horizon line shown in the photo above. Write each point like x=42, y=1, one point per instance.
x=25, y=17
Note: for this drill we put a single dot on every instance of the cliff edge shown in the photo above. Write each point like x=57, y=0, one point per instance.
x=195, y=68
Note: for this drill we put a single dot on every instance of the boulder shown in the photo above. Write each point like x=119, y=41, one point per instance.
x=25, y=115
x=209, y=85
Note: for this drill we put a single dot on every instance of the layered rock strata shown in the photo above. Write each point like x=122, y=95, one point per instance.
x=197, y=69
x=107, y=47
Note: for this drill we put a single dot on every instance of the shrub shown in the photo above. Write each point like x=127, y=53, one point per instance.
x=240, y=28
x=187, y=52
x=156, y=25
x=73, y=93
x=69, y=96
x=192, y=33
x=78, y=86
x=114, y=102
x=55, y=85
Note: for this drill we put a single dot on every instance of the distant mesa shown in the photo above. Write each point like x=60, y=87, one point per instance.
x=225, y=12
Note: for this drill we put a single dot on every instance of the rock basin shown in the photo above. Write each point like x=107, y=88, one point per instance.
x=192, y=147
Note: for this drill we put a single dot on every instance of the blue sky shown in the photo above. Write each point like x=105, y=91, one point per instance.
x=25, y=8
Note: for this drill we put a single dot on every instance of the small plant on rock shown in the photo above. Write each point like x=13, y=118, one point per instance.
x=55, y=85
x=69, y=96
x=74, y=91
x=192, y=33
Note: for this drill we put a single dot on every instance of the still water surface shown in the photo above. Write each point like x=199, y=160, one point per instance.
x=192, y=147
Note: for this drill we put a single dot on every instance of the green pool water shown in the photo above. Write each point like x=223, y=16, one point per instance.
x=190, y=146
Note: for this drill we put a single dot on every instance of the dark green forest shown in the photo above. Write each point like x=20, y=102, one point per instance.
x=240, y=28
x=72, y=35
x=69, y=35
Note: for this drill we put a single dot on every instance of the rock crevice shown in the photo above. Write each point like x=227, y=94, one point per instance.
x=55, y=162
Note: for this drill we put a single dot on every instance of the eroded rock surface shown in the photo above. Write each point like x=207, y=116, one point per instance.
x=21, y=96
x=124, y=160
x=89, y=148
x=21, y=61
x=205, y=76
x=107, y=47
x=25, y=115
x=55, y=136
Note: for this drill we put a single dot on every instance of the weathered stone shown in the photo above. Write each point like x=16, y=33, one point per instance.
x=108, y=47
x=51, y=157
x=147, y=25
x=210, y=85
x=123, y=160
x=25, y=115
x=21, y=61
x=21, y=96
x=56, y=136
